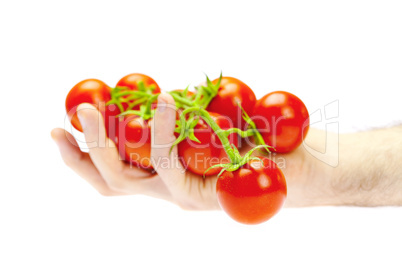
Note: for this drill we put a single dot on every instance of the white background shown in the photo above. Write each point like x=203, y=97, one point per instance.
x=322, y=51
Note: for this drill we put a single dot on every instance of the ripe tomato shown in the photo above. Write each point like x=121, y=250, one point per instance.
x=92, y=91
x=254, y=193
x=232, y=92
x=131, y=81
x=282, y=119
x=198, y=157
x=134, y=141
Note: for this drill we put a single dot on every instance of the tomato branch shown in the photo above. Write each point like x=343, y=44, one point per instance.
x=182, y=100
x=230, y=150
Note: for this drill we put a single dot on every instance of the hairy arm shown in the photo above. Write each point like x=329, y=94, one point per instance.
x=370, y=170
x=357, y=169
x=361, y=169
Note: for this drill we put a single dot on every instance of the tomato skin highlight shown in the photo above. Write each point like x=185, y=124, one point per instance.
x=253, y=193
x=134, y=141
x=231, y=92
x=92, y=91
x=282, y=119
x=198, y=157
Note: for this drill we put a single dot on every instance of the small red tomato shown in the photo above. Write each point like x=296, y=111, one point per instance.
x=92, y=91
x=198, y=157
x=134, y=141
x=253, y=193
x=282, y=119
x=232, y=92
x=131, y=81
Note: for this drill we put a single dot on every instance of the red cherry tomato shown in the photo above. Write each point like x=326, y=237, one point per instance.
x=92, y=91
x=282, y=119
x=134, y=141
x=231, y=92
x=131, y=81
x=198, y=157
x=254, y=193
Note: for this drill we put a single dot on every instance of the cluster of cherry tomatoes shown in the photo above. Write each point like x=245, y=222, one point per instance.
x=212, y=123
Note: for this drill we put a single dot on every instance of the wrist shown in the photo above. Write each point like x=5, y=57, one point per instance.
x=310, y=171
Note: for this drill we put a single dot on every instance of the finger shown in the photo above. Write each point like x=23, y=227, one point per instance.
x=164, y=160
x=79, y=162
x=103, y=151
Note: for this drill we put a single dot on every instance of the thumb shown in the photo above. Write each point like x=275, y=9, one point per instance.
x=164, y=160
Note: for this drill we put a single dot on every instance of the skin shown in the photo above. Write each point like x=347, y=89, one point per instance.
x=367, y=171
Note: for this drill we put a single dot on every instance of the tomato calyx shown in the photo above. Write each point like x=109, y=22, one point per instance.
x=182, y=98
x=205, y=94
x=127, y=99
x=145, y=112
x=131, y=98
x=201, y=99
x=233, y=166
x=185, y=129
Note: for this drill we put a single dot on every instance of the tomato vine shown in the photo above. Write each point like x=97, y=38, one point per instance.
x=250, y=189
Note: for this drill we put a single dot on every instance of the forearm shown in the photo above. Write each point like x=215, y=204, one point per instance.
x=369, y=170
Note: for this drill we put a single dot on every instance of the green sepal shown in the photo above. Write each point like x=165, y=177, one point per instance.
x=192, y=137
x=249, y=153
x=181, y=126
x=216, y=166
x=137, y=102
x=140, y=96
x=185, y=91
x=243, y=160
x=251, y=125
x=119, y=105
x=131, y=112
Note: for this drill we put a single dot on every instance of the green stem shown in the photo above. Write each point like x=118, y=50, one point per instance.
x=222, y=135
x=204, y=96
x=243, y=134
x=137, y=102
x=182, y=100
x=133, y=94
x=122, y=94
x=116, y=102
x=147, y=113
x=199, y=94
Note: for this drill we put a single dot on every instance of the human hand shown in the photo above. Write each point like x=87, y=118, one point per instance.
x=104, y=170
x=108, y=174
